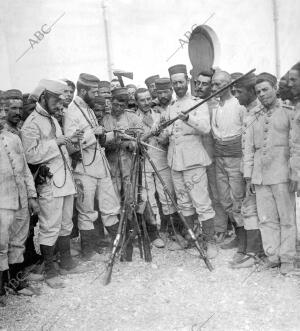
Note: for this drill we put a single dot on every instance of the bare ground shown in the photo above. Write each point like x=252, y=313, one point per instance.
x=174, y=292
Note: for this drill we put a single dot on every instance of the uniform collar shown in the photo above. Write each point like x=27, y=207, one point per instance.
x=39, y=109
x=80, y=101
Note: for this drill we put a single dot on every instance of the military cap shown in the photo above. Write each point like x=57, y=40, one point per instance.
x=236, y=75
x=120, y=93
x=56, y=87
x=151, y=79
x=2, y=94
x=104, y=83
x=177, y=69
x=246, y=81
x=99, y=100
x=163, y=83
x=266, y=77
x=13, y=94
x=88, y=80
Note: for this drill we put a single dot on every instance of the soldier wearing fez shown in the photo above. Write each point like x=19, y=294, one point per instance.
x=92, y=173
x=189, y=168
x=269, y=150
x=105, y=92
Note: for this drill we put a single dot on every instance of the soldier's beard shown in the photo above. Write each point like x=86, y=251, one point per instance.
x=88, y=100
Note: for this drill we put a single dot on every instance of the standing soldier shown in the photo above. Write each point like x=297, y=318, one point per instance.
x=187, y=157
x=92, y=172
x=14, y=104
x=245, y=94
x=203, y=91
x=18, y=198
x=44, y=146
x=227, y=123
x=119, y=153
x=268, y=151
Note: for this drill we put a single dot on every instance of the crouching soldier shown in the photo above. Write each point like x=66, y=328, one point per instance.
x=44, y=144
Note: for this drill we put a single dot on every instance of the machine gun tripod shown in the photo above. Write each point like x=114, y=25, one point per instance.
x=135, y=213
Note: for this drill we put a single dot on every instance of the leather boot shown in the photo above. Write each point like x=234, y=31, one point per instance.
x=51, y=274
x=254, y=242
x=242, y=242
x=154, y=236
x=88, y=254
x=67, y=265
x=113, y=230
x=208, y=230
x=164, y=221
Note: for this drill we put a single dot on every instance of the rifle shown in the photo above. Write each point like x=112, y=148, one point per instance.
x=169, y=122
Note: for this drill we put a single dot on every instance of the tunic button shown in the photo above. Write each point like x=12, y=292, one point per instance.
x=266, y=129
x=267, y=122
x=265, y=138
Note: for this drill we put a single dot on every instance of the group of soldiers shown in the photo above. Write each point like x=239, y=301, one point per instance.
x=232, y=161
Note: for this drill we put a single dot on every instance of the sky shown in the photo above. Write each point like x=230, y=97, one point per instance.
x=143, y=35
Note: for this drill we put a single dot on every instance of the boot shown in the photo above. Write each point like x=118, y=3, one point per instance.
x=231, y=244
x=51, y=274
x=208, y=230
x=164, y=221
x=190, y=221
x=254, y=243
x=113, y=231
x=2, y=290
x=242, y=242
x=66, y=264
x=88, y=254
x=154, y=236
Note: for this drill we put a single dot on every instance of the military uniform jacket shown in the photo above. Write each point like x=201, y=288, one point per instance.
x=186, y=150
x=268, y=147
x=248, y=120
x=118, y=155
x=16, y=182
x=160, y=158
x=79, y=116
x=39, y=133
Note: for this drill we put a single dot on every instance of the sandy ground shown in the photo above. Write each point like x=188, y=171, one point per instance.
x=174, y=292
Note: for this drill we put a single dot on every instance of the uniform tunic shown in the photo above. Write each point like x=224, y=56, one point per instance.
x=159, y=158
x=39, y=133
x=187, y=158
x=16, y=187
x=268, y=151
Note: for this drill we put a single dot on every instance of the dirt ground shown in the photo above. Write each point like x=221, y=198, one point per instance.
x=174, y=292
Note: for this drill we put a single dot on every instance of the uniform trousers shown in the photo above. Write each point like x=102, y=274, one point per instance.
x=231, y=187
x=191, y=190
x=277, y=221
x=108, y=203
x=14, y=228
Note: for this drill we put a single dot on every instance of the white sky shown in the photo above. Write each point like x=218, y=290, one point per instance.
x=144, y=33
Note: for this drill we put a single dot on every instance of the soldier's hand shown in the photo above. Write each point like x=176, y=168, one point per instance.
x=34, y=207
x=62, y=140
x=99, y=131
x=183, y=117
x=293, y=186
x=77, y=135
